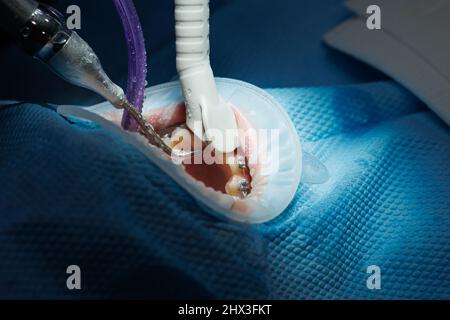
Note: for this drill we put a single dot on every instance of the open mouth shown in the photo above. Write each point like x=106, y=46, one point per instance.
x=252, y=184
x=226, y=173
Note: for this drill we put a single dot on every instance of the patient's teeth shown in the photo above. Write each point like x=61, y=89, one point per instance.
x=238, y=186
x=241, y=162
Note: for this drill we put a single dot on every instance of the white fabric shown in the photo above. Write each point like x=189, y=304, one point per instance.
x=412, y=46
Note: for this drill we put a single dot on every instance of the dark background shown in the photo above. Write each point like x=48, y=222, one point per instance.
x=247, y=43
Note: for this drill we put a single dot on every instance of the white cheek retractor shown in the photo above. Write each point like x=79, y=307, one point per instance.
x=232, y=115
x=275, y=175
x=205, y=109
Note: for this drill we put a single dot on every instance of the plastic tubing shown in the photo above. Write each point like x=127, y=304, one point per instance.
x=203, y=102
x=137, y=59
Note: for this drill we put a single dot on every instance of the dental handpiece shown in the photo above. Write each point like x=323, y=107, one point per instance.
x=41, y=31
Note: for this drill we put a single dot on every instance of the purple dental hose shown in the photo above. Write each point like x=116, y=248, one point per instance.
x=137, y=59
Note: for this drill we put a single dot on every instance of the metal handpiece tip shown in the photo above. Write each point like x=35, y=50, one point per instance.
x=147, y=130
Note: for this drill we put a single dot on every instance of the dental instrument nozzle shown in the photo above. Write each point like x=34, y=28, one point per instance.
x=77, y=63
x=42, y=33
x=40, y=30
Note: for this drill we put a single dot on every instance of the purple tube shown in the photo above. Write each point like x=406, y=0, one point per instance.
x=137, y=59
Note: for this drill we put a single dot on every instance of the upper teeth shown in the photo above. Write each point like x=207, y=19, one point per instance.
x=241, y=162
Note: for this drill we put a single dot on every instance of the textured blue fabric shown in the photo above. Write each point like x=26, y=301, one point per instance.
x=73, y=193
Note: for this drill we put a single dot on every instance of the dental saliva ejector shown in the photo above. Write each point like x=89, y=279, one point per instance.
x=204, y=105
x=41, y=31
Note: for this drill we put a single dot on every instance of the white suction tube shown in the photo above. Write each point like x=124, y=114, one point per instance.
x=205, y=109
